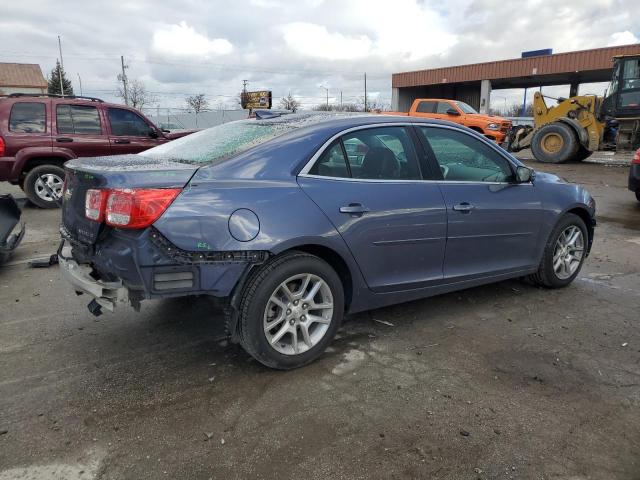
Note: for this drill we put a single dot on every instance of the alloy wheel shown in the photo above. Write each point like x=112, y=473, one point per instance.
x=568, y=252
x=298, y=314
x=55, y=184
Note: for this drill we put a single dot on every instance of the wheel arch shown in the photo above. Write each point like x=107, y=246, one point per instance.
x=579, y=130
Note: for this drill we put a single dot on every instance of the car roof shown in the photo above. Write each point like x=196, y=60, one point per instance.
x=71, y=99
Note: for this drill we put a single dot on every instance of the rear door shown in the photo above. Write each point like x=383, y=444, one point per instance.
x=493, y=222
x=80, y=129
x=130, y=132
x=393, y=222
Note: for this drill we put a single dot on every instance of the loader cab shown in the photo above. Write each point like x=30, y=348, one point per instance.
x=623, y=98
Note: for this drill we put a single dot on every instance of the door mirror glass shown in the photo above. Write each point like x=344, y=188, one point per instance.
x=153, y=133
x=524, y=174
x=453, y=111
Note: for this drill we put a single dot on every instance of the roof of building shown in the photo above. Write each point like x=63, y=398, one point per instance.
x=559, y=63
x=21, y=75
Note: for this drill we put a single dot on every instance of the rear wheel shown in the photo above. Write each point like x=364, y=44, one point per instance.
x=564, y=253
x=554, y=143
x=290, y=310
x=43, y=185
x=638, y=195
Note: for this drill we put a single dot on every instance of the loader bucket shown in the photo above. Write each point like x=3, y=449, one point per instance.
x=9, y=218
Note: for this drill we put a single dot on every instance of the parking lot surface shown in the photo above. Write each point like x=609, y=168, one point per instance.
x=501, y=381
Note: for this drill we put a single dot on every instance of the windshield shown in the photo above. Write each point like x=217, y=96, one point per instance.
x=466, y=108
x=216, y=144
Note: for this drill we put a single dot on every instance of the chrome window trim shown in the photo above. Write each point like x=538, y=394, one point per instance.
x=305, y=170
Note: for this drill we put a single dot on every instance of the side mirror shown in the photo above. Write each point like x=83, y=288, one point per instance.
x=453, y=111
x=153, y=133
x=524, y=174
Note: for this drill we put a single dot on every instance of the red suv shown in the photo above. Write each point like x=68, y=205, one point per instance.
x=39, y=133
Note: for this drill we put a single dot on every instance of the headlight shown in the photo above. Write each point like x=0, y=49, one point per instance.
x=493, y=126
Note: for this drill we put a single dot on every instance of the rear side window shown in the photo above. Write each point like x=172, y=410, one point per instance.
x=78, y=119
x=331, y=163
x=126, y=123
x=383, y=153
x=426, y=107
x=28, y=117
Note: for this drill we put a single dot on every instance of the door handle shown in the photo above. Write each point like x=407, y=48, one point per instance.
x=64, y=139
x=121, y=142
x=463, y=207
x=354, y=209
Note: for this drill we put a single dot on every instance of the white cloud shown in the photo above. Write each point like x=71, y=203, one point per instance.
x=316, y=41
x=183, y=40
x=623, y=38
x=407, y=32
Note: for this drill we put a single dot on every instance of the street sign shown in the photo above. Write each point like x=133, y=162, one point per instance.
x=252, y=100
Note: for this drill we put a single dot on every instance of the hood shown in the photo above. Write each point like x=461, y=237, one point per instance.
x=488, y=118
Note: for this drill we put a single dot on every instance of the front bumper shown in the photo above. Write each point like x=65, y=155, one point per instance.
x=106, y=294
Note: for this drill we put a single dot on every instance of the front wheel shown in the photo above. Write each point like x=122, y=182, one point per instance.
x=290, y=310
x=43, y=185
x=554, y=143
x=564, y=253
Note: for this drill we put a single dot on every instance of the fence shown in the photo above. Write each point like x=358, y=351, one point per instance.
x=181, y=121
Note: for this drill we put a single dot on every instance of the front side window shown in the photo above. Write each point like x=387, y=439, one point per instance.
x=78, y=119
x=466, y=108
x=462, y=157
x=631, y=74
x=126, y=123
x=28, y=117
x=383, y=153
x=444, y=107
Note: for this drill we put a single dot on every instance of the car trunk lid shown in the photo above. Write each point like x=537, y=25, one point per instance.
x=122, y=171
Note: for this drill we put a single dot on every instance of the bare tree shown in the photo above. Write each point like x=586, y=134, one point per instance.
x=138, y=94
x=289, y=103
x=197, y=102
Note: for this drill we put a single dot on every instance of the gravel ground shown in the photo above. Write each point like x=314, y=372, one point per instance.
x=502, y=381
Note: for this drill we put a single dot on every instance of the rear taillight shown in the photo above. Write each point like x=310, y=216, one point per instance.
x=128, y=208
x=94, y=204
x=636, y=157
x=2, y=147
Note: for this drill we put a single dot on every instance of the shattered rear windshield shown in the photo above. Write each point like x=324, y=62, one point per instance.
x=216, y=144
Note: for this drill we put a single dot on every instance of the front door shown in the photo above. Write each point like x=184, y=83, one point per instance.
x=393, y=222
x=493, y=222
x=130, y=133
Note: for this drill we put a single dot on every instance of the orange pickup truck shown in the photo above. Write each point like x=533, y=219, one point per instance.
x=495, y=128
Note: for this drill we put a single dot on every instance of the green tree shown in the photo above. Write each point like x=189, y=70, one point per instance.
x=54, y=81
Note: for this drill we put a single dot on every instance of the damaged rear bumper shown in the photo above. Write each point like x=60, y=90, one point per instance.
x=9, y=219
x=106, y=294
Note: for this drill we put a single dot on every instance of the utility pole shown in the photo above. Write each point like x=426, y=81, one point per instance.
x=80, y=81
x=61, y=67
x=243, y=95
x=327, y=97
x=366, y=108
x=124, y=81
x=340, y=99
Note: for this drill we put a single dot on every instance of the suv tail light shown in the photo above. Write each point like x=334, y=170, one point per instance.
x=2, y=147
x=636, y=157
x=128, y=208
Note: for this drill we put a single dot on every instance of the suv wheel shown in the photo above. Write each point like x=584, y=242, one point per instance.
x=290, y=310
x=34, y=185
x=564, y=253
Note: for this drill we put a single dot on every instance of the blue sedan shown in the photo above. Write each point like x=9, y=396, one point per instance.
x=295, y=220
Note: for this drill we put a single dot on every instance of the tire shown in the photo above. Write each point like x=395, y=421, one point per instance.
x=554, y=143
x=547, y=275
x=582, y=154
x=256, y=306
x=33, y=185
x=638, y=195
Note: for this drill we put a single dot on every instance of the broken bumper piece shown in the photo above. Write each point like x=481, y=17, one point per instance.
x=105, y=294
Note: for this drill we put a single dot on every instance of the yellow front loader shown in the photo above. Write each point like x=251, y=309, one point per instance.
x=576, y=127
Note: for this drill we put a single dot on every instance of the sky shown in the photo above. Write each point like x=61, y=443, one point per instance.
x=303, y=47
